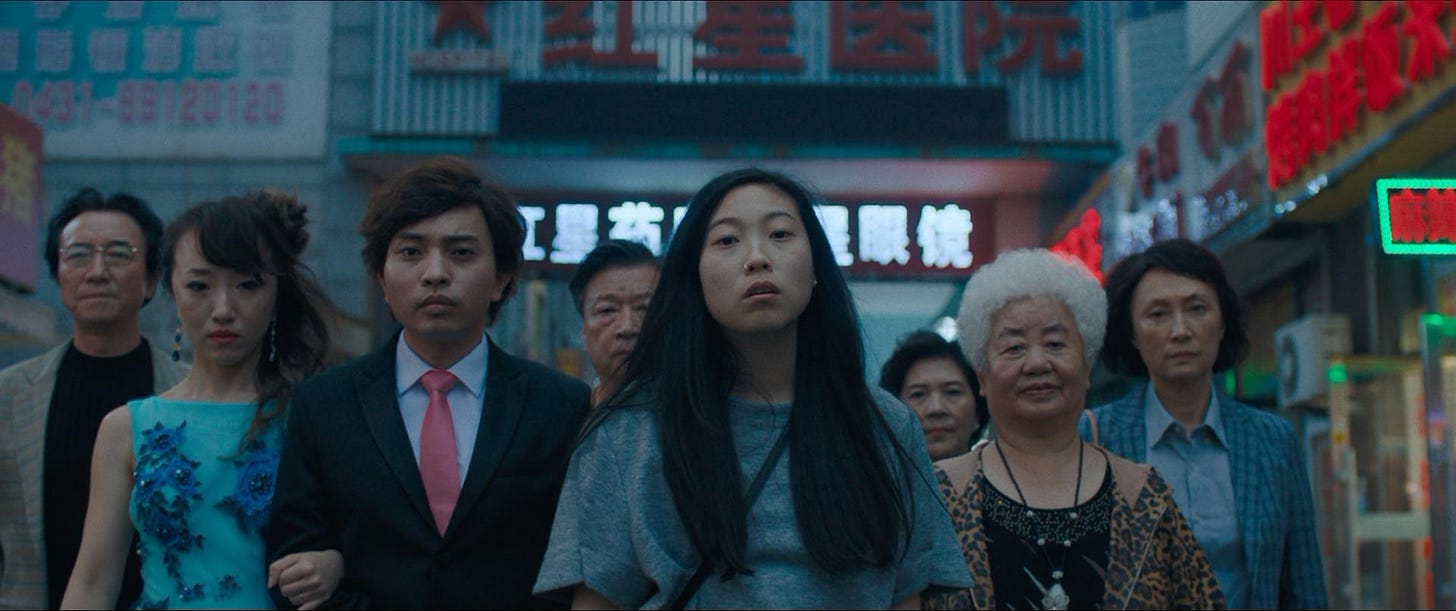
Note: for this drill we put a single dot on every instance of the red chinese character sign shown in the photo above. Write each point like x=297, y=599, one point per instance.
x=20, y=199
x=1341, y=73
x=1417, y=215
x=1083, y=242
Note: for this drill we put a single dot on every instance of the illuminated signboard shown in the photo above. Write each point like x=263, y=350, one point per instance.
x=1417, y=215
x=908, y=236
x=169, y=80
x=1341, y=74
x=1084, y=242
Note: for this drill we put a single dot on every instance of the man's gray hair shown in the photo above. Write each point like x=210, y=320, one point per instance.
x=1033, y=272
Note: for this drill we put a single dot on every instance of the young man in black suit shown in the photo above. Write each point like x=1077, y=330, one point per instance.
x=433, y=464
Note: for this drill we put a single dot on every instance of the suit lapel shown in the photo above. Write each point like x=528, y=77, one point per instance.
x=374, y=383
x=1241, y=470
x=33, y=406
x=505, y=401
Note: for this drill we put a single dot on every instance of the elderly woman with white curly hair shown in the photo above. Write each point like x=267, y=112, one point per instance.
x=1045, y=520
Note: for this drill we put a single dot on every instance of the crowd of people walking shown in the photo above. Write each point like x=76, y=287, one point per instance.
x=730, y=453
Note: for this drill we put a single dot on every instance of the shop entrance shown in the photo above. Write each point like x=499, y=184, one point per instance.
x=1371, y=492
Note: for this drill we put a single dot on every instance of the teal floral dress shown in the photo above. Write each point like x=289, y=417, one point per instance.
x=199, y=505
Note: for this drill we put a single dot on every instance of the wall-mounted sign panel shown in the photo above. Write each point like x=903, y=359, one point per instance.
x=1340, y=76
x=169, y=80
x=1417, y=215
x=439, y=66
x=21, y=214
x=909, y=236
x=742, y=113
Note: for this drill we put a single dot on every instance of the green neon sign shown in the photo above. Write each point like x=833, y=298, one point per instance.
x=1423, y=220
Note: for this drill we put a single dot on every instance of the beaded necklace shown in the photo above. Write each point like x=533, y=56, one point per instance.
x=1054, y=597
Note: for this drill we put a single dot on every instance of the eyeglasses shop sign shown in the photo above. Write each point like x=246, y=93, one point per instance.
x=889, y=237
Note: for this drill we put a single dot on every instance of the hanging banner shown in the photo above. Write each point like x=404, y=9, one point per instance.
x=20, y=199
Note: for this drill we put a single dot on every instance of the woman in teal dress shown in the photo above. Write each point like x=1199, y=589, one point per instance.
x=191, y=470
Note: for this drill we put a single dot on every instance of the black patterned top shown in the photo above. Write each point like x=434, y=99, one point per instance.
x=1028, y=546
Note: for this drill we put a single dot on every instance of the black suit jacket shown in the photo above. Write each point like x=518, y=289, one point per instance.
x=348, y=480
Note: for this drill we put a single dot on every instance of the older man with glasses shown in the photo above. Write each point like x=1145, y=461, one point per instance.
x=103, y=252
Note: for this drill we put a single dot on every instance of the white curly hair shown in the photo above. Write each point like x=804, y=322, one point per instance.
x=1031, y=272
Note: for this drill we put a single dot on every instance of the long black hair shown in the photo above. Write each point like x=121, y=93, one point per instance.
x=850, y=511
x=263, y=233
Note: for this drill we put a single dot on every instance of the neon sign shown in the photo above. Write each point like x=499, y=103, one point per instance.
x=1417, y=215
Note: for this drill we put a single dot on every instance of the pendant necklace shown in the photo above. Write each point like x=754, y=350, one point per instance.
x=1054, y=597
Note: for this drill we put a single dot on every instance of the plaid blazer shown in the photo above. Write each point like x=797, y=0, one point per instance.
x=25, y=401
x=1272, y=496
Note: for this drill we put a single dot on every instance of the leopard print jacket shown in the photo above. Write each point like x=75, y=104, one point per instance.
x=1154, y=562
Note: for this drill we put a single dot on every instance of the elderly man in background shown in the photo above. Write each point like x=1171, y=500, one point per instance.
x=612, y=287
x=103, y=252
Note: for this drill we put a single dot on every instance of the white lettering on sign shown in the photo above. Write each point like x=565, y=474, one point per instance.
x=215, y=51
x=944, y=236
x=161, y=50
x=576, y=232
x=835, y=220
x=677, y=216
x=124, y=10
x=48, y=10
x=198, y=10
x=638, y=222
x=53, y=51
x=532, y=251
x=9, y=50
x=273, y=50
x=107, y=49
x=884, y=234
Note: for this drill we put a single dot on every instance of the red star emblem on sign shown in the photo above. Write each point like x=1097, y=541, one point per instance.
x=467, y=14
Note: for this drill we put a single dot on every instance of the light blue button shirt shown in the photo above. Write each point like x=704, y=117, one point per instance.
x=465, y=397
x=1196, y=466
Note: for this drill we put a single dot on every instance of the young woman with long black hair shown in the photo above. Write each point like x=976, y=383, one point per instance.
x=746, y=463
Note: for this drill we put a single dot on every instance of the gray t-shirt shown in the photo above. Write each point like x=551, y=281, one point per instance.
x=617, y=529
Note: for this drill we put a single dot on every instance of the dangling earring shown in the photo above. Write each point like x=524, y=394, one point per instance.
x=177, y=343
x=272, y=340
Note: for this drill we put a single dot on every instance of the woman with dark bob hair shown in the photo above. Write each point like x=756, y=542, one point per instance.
x=191, y=470
x=931, y=375
x=748, y=377
x=1174, y=319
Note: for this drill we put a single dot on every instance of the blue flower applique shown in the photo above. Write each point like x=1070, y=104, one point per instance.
x=166, y=487
x=253, y=490
x=227, y=585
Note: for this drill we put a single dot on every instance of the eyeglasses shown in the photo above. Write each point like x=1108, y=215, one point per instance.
x=115, y=254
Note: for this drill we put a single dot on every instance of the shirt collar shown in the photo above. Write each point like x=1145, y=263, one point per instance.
x=1158, y=420
x=470, y=369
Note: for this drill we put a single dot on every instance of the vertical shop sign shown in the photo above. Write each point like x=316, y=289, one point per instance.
x=20, y=198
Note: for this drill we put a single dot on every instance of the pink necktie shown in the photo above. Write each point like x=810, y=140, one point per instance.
x=438, y=466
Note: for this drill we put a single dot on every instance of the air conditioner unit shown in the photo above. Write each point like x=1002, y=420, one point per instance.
x=1303, y=350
